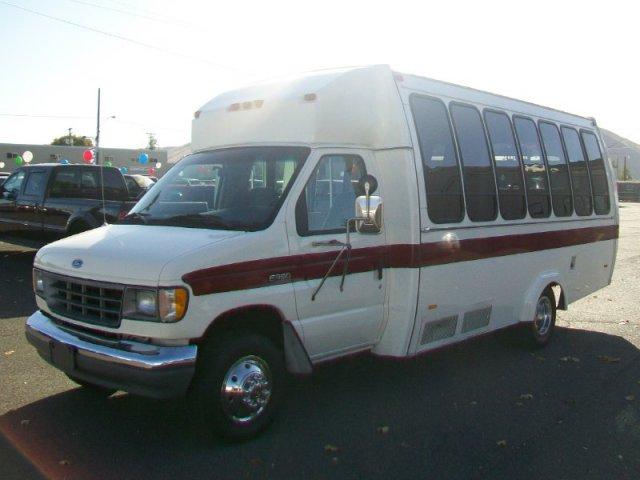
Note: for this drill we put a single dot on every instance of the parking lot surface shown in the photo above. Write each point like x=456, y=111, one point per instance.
x=488, y=408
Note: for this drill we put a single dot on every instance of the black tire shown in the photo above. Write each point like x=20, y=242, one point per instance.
x=218, y=358
x=77, y=227
x=92, y=388
x=538, y=333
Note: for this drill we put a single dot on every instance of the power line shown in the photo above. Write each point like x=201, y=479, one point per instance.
x=125, y=39
x=78, y=117
x=140, y=15
x=43, y=116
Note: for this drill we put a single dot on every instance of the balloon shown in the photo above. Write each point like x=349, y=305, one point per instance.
x=64, y=161
x=87, y=156
x=108, y=163
x=18, y=160
x=158, y=165
x=143, y=158
x=151, y=171
x=27, y=156
x=88, y=160
x=124, y=169
x=1, y=164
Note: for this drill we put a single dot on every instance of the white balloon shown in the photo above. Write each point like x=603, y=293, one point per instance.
x=27, y=156
x=1, y=164
x=158, y=165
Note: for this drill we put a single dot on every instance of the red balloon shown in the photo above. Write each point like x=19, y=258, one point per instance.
x=151, y=171
x=87, y=156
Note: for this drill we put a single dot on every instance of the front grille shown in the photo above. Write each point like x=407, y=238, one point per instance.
x=84, y=300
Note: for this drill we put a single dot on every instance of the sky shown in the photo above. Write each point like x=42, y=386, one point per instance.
x=158, y=61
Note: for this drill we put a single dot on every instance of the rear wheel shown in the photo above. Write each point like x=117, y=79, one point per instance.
x=544, y=320
x=238, y=384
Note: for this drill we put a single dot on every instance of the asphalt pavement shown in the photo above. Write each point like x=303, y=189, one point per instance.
x=488, y=408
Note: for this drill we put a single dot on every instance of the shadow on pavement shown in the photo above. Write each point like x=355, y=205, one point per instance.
x=485, y=409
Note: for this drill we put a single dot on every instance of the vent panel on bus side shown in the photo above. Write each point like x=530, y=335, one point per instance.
x=438, y=330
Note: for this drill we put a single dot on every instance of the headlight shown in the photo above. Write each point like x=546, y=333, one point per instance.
x=38, y=282
x=162, y=305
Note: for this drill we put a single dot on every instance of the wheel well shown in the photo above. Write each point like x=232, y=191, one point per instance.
x=558, y=291
x=263, y=319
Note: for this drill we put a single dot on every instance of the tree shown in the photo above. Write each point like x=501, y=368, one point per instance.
x=153, y=142
x=75, y=140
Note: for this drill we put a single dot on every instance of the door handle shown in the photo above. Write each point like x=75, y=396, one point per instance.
x=328, y=243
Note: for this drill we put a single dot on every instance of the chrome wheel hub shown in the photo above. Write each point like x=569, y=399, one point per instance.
x=544, y=315
x=246, y=389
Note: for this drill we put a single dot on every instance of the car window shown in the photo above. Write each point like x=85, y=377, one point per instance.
x=66, y=183
x=36, y=184
x=328, y=200
x=14, y=182
x=114, y=187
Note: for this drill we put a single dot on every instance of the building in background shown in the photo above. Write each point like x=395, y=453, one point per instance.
x=119, y=157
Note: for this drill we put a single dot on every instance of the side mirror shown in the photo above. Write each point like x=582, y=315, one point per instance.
x=369, y=213
x=9, y=194
x=369, y=207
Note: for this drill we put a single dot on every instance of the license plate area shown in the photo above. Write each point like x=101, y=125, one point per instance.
x=63, y=356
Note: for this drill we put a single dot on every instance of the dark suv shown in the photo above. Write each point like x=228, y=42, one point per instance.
x=52, y=200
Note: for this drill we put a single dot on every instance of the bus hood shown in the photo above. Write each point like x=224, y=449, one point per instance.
x=129, y=254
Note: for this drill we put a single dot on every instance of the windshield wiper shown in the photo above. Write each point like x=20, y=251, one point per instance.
x=135, y=218
x=194, y=220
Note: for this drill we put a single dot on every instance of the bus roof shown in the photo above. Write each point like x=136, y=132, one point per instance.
x=356, y=106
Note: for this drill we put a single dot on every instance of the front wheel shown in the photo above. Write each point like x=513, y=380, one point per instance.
x=238, y=384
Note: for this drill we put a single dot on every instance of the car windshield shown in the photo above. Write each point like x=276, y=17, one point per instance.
x=233, y=189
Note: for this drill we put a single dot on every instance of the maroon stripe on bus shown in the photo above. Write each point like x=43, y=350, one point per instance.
x=256, y=273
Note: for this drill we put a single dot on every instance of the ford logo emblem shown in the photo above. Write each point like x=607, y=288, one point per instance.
x=77, y=263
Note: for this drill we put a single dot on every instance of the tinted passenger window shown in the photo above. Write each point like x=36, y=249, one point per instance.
x=329, y=197
x=479, y=182
x=507, y=165
x=599, y=184
x=445, y=203
x=579, y=172
x=66, y=184
x=36, y=183
x=558, y=170
x=535, y=173
x=114, y=187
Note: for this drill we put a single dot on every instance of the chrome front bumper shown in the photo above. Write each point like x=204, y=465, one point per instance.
x=140, y=368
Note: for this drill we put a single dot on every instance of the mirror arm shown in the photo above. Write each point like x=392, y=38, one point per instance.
x=345, y=247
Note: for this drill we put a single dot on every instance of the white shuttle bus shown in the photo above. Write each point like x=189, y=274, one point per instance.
x=337, y=212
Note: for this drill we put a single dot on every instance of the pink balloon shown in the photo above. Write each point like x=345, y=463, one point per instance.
x=87, y=156
x=151, y=171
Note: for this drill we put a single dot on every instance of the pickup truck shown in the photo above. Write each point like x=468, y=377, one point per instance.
x=49, y=201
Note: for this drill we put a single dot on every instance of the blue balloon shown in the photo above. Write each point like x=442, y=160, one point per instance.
x=124, y=169
x=64, y=161
x=143, y=158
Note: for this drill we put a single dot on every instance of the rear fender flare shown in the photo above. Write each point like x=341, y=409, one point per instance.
x=535, y=290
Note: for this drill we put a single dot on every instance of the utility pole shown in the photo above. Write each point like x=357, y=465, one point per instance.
x=69, y=140
x=97, y=156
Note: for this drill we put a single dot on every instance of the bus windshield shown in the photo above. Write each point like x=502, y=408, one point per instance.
x=231, y=189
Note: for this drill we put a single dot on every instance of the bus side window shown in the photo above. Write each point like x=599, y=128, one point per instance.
x=558, y=170
x=445, y=203
x=579, y=172
x=479, y=180
x=599, y=184
x=507, y=163
x=534, y=168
